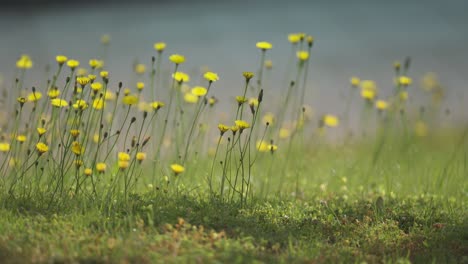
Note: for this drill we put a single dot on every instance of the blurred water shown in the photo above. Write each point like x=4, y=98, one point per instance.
x=360, y=38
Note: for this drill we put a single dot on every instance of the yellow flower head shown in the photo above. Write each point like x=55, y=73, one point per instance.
x=78, y=163
x=381, y=105
x=177, y=168
x=242, y=124
x=77, y=148
x=248, y=75
x=212, y=101
x=42, y=148
x=140, y=156
x=177, y=58
x=222, y=128
x=41, y=131
x=211, y=76
x=61, y=59
x=190, y=98
x=24, y=62
x=159, y=46
x=123, y=156
x=140, y=86
x=98, y=103
x=109, y=95
x=83, y=80
x=88, y=172
x=73, y=64
x=294, y=38
x=302, y=55
x=75, y=133
x=34, y=96
x=403, y=95
x=253, y=102
x=355, y=81
x=310, y=40
x=404, y=81
x=268, y=64
x=234, y=128
x=96, y=86
x=4, y=147
x=156, y=105
x=330, y=120
x=92, y=77
x=262, y=146
x=96, y=64
x=104, y=74
x=53, y=93
x=57, y=102
x=140, y=68
x=101, y=167
x=80, y=104
x=123, y=164
x=81, y=72
x=268, y=118
x=241, y=99
x=284, y=133
x=181, y=77
x=272, y=148
x=130, y=99
x=263, y=45
x=21, y=100
x=368, y=85
x=368, y=94
x=21, y=138
x=199, y=91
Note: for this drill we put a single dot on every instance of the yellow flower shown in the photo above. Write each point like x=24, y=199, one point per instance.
x=262, y=146
x=294, y=38
x=130, y=99
x=181, y=77
x=34, y=96
x=212, y=101
x=98, y=103
x=199, y=91
x=61, y=59
x=101, y=167
x=77, y=148
x=140, y=86
x=381, y=105
x=78, y=163
x=156, y=105
x=368, y=94
x=159, y=46
x=94, y=63
x=126, y=91
x=330, y=120
x=248, y=75
x=354, y=81
x=284, y=133
x=21, y=138
x=24, y=62
x=123, y=164
x=272, y=148
x=81, y=72
x=96, y=86
x=177, y=58
x=80, y=104
x=123, y=156
x=141, y=156
x=21, y=100
x=177, y=168
x=190, y=98
x=404, y=80
x=41, y=131
x=92, y=77
x=82, y=80
x=4, y=147
x=211, y=76
x=109, y=96
x=75, y=133
x=234, y=128
x=104, y=74
x=310, y=40
x=73, y=64
x=242, y=124
x=253, y=101
x=140, y=68
x=57, y=102
x=144, y=107
x=263, y=45
x=53, y=93
x=222, y=128
x=403, y=95
x=42, y=148
x=368, y=85
x=302, y=55
x=268, y=118
x=96, y=138
x=105, y=39
x=241, y=99
x=88, y=172
x=268, y=64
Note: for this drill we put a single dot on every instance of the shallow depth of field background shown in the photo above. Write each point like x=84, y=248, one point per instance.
x=353, y=38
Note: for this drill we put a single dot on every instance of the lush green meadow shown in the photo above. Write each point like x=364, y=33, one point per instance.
x=95, y=170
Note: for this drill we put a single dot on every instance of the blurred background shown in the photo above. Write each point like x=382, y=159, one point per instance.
x=352, y=38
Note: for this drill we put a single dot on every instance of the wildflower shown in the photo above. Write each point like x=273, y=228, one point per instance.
x=42, y=148
x=140, y=156
x=77, y=148
x=34, y=96
x=104, y=74
x=82, y=80
x=181, y=77
x=53, y=93
x=404, y=81
x=81, y=72
x=294, y=38
x=96, y=138
x=73, y=64
x=140, y=86
x=159, y=46
x=302, y=55
x=75, y=133
x=199, y=91
x=156, y=105
x=268, y=64
x=211, y=76
x=123, y=156
x=88, y=172
x=381, y=105
x=78, y=163
x=262, y=146
x=253, y=102
x=268, y=118
x=177, y=168
x=222, y=128
x=61, y=59
x=368, y=94
x=330, y=120
x=234, y=129
x=272, y=147
x=94, y=63
x=24, y=62
x=41, y=131
x=354, y=81
x=242, y=124
x=263, y=45
x=98, y=103
x=57, y=102
x=284, y=133
x=92, y=77
x=123, y=164
x=96, y=86
x=4, y=147
x=145, y=107
x=177, y=59
x=241, y=99
x=190, y=98
x=396, y=65
x=212, y=101
x=101, y=167
x=21, y=100
x=248, y=75
x=310, y=40
x=403, y=95
x=109, y=95
x=140, y=68
x=130, y=99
